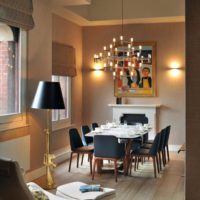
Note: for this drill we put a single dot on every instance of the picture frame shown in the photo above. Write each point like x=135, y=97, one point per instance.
x=142, y=81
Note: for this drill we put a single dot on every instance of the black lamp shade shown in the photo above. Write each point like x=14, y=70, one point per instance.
x=48, y=96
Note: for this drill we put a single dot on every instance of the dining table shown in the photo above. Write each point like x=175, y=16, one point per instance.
x=125, y=133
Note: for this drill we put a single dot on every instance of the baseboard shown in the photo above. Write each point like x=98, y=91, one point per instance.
x=61, y=155
x=173, y=147
x=30, y=176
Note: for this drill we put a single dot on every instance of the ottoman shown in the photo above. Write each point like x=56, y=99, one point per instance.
x=71, y=190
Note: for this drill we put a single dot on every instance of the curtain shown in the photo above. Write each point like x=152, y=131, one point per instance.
x=17, y=13
x=63, y=60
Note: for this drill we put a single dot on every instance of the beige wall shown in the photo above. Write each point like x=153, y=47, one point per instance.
x=98, y=90
x=39, y=68
x=48, y=28
x=69, y=33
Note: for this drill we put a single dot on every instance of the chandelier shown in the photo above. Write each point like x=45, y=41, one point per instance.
x=122, y=57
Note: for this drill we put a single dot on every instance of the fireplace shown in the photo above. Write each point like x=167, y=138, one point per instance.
x=133, y=113
x=132, y=119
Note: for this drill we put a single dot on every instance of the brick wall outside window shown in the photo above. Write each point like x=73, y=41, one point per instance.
x=8, y=78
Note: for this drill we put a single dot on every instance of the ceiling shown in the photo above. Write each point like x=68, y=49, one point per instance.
x=109, y=12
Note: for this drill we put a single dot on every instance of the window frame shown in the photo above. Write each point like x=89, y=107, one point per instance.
x=18, y=120
x=64, y=123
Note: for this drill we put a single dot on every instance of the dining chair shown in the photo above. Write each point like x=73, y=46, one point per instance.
x=162, y=148
x=86, y=140
x=161, y=156
x=78, y=148
x=144, y=152
x=107, y=148
x=94, y=125
x=166, y=146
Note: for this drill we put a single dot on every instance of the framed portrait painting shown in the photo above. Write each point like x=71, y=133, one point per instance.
x=140, y=80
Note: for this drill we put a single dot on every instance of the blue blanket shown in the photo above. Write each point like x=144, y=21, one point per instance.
x=89, y=188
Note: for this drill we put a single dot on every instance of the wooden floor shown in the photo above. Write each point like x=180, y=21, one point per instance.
x=140, y=186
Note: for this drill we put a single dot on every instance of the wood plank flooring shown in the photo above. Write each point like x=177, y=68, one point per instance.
x=140, y=186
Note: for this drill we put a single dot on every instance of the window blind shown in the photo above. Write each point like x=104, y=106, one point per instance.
x=63, y=60
x=17, y=13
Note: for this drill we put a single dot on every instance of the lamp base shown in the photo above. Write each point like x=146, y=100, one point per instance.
x=48, y=162
x=50, y=187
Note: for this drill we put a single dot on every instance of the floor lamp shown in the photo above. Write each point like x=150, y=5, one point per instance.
x=48, y=96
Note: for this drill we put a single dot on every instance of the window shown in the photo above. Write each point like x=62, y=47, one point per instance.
x=12, y=69
x=62, y=118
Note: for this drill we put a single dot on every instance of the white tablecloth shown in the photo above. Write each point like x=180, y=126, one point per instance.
x=120, y=132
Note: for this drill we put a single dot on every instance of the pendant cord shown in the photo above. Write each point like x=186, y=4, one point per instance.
x=123, y=29
x=122, y=17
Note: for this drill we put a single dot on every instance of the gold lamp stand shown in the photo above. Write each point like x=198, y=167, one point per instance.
x=48, y=159
x=48, y=96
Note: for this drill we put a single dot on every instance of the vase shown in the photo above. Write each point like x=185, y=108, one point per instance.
x=118, y=100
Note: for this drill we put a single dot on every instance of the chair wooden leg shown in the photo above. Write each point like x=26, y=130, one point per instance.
x=157, y=163
x=135, y=163
x=70, y=161
x=138, y=159
x=115, y=165
x=90, y=155
x=142, y=160
x=131, y=165
x=160, y=163
x=163, y=157
x=77, y=160
x=168, y=153
x=94, y=166
x=164, y=151
x=82, y=159
x=154, y=166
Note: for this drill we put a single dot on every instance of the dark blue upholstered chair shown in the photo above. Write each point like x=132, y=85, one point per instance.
x=86, y=140
x=107, y=148
x=94, y=125
x=152, y=152
x=161, y=149
x=166, y=147
x=77, y=147
x=161, y=156
x=163, y=145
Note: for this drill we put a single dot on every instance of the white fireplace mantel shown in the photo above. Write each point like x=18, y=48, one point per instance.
x=135, y=105
x=150, y=111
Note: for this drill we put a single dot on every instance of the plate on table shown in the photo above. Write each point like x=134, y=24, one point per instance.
x=134, y=133
x=97, y=131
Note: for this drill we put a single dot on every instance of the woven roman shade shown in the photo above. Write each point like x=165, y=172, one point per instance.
x=17, y=13
x=63, y=60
